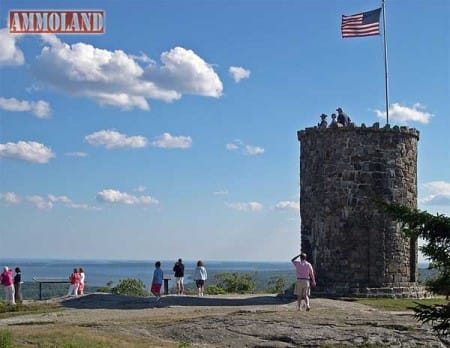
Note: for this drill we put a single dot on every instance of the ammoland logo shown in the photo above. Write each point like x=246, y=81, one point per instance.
x=56, y=21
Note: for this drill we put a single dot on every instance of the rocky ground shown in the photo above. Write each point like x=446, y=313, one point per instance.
x=235, y=321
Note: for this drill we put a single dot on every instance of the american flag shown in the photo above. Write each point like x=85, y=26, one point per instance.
x=361, y=24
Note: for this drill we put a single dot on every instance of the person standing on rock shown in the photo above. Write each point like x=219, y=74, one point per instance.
x=305, y=279
x=18, y=286
x=157, y=280
x=178, y=268
x=200, y=276
x=74, y=283
x=7, y=281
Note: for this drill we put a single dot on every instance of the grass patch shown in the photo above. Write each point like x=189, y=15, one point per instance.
x=6, y=339
x=399, y=304
x=7, y=310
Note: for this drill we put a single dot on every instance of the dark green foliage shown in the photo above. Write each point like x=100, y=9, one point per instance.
x=236, y=282
x=276, y=285
x=131, y=287
x=435, y=231
x=439, y=314
x=215, y=290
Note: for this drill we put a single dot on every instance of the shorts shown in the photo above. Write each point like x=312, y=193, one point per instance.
x=179, y=280
x=156, y=288
x=200, y=283
x=302, y=289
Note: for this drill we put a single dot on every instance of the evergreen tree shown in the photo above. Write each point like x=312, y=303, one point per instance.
x=435, y=231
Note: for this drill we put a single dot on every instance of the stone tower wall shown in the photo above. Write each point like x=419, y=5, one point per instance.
x=343, y=171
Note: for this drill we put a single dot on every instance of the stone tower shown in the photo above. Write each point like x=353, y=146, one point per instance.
x=353, y=245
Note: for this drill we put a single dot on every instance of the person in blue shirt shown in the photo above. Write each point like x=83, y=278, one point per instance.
x=157, y=281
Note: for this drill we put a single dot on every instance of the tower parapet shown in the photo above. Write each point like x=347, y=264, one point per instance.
x=353, y=245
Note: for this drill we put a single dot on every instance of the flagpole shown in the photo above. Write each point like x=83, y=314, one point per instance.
x=385, y=64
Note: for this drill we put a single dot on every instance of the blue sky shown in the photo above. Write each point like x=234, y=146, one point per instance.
x=174, y=133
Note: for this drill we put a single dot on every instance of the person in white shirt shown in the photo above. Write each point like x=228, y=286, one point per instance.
x=200, y=276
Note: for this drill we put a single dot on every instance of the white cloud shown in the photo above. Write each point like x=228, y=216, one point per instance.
x=404, y=114
x=112, y=139
x=114, y=196
x=76, y=154
x=436, y=193
x=116, y=78
x=168, y=141
x=220, y=193
x=245, y=149
x=9, y=198
x=288, y=205
x=9, y=53
x=29, y=151
x=40, y=109
x=140, y=188
x=40, y=202
x=253, y=150
x=49, y=201
x=239, y=73
x=245, y=206
x=231, y=147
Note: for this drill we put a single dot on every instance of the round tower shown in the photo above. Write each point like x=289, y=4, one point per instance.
x=353, y=245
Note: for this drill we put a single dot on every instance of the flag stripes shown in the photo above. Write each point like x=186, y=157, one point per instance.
x=361, y=24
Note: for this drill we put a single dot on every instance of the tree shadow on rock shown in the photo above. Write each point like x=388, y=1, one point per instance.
x=111, y=301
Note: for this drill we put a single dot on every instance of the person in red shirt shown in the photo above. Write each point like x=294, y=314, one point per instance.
x=305, y=279
x=74, y=283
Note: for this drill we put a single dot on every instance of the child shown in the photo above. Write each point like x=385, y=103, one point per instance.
x=157, y=281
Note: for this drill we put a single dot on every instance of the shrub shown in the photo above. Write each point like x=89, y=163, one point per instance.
x=131, y=287
x=215, y=290
x=276, y=285
x=236, y=282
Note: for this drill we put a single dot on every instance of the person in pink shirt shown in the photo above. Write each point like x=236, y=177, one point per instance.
x=6, y=279
x=305, y=279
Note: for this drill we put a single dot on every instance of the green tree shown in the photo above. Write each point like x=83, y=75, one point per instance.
x=276, y=285
x=130, y=286
x=236, y=282
x=435, y=231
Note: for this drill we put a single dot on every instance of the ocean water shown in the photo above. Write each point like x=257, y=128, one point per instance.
x=99, y=272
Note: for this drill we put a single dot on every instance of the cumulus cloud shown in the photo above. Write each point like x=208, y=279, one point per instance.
x=238, y=73
x=29, y=151
x=168, y=141
x=40, y=109
x=117, y=79
x=288, y=205
x=436, y=193
x=112, y=139
x=10, y=54
x=184, y=71
x=244, y=148
x=245, y=206
x=405, y=114
x=114, y=196
x=9, y=198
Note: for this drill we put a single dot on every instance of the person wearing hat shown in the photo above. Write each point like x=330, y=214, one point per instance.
x=6, y=279
x=323, y=124
x=343, y=118
x=305, y=279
